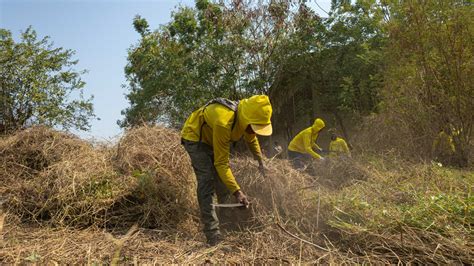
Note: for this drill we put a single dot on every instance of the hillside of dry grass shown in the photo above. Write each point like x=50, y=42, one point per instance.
x=65, y=200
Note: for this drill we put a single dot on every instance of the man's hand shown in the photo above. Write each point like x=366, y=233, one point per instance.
x=241, y=198
x=261, y=168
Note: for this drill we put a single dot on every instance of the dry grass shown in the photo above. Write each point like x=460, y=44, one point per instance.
x=68, y=202
x=57, y=178
x=406, y=212
x=147, y=246
x=161, y=166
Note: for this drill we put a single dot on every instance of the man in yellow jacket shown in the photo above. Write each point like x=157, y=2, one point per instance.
x=443, y=148
x=301, y=148
x=207, y=136
x=338, y=146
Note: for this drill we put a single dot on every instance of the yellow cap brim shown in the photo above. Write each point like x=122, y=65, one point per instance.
x=262, y=130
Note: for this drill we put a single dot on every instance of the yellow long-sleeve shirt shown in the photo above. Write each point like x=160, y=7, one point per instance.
x=443, y=144
x=338, y=147
x=305, y=141
x=216, y=121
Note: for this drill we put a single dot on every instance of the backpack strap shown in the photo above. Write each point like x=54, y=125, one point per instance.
x=232, y=105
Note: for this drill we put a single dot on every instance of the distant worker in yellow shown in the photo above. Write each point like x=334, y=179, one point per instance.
x=443, y=148
x=338, y=146
x=301, y=148
x=207, y=136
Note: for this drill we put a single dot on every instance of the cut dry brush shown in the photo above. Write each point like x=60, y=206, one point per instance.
x=165, y=194
x=364, y=209
x=54, y=177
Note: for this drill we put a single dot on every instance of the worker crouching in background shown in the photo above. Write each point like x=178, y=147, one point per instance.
x=443, y=148
x=338, y=146
x=207, y=136
x=301, y=148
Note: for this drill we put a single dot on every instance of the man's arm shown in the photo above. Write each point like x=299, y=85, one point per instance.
x=254, y=146
x=345, y=147
x=315, y=145
x=308, y=146
x=221, y=146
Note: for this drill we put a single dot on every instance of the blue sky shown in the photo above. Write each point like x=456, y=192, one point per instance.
x=100, y=31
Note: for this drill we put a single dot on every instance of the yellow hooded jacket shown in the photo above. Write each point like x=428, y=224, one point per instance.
x=217, y=131
x=306, y=139
x=338, y=147
x=443, y=144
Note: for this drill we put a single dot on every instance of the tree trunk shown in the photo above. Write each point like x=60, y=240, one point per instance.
x=340, y=122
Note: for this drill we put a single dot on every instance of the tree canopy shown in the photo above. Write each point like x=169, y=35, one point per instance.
x=366, y=57
x=39, y=85
x=430, y=70
x=221, y=49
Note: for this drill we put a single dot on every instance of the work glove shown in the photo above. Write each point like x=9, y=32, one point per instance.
x=241, y=198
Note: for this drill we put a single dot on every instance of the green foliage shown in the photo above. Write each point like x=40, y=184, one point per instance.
x=37, y=81
x=437, y=212
x=33, y=257
x=351, y=60
x=146, y=184
x=412, y=61
x=141, y=25
x=238, y=49
x=100, y=188
x=430, y=70
x=427, y=197
x=340, y=74
x=228, y=50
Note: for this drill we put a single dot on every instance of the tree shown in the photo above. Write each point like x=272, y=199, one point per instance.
x=341, y=74
x=36, y=82
x=430, y=70
x=229, y=49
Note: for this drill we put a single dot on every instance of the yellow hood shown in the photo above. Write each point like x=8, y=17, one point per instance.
x=213, y=126
x=305, y=141
x=318, y=125
x=255, y=110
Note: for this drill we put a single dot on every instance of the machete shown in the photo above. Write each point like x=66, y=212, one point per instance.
x=228, y=205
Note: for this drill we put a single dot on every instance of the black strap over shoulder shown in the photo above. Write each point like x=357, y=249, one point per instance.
x=232, y=105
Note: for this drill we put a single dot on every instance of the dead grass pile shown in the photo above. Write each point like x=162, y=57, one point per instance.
x=54, y=176
x=362, y=210
x=49, y=176
x=153, y=148
x=30, y=151
x=338, y=172
x=283, y=195
x=285, y=208
x=166, y=191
